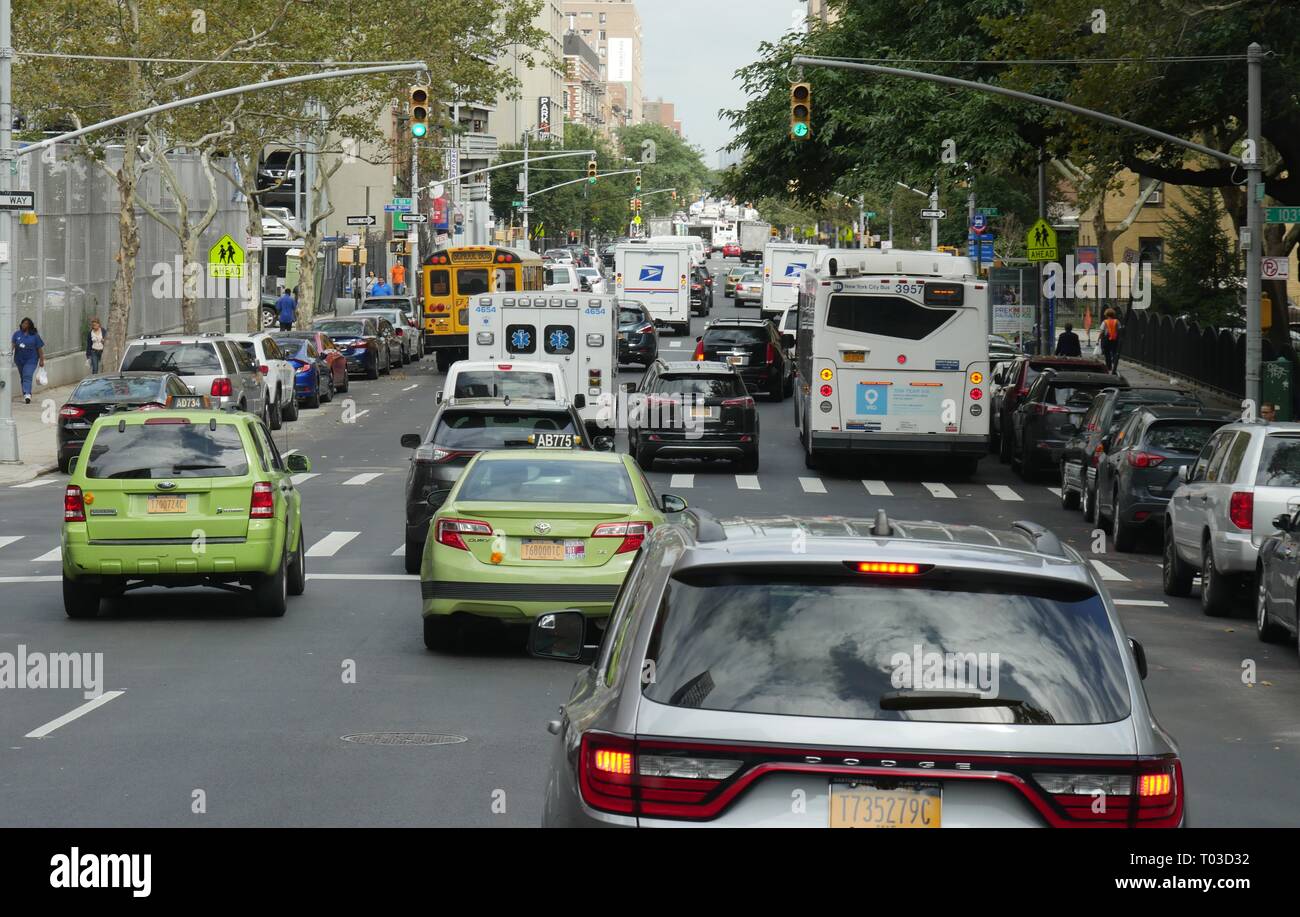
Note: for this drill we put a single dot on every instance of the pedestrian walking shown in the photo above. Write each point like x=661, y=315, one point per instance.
x=1267, y=412
x=1110, y=329
x=1067, y=345
x=381, y=289
x=29, y=354
x=95, y=346
x=399, y=279
x=287, y=308
x=371, y=280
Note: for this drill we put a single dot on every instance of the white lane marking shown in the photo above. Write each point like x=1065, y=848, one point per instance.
x=360, y=414
x=409, y=387
x=31, y=579
x=878, y=488
x=684, y=481
x=378, y=577
x=747, y=482
x=41, y=732
x=304, y=477
x=1055, y=490
x=10, y=539
x=360, y=479
x=1141, y=603
x=812, y=485
x=1109, y=574
x=1003, y=492
x=330, y=544
x=674, y=343
x=54, y=555
x=400, y=551
x=939, y=490
x=38, y=482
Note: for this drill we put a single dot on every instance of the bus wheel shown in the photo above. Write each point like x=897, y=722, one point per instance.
x=443, y=361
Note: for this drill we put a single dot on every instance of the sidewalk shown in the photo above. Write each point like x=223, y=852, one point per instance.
x=36, y=447
x=1141, y=375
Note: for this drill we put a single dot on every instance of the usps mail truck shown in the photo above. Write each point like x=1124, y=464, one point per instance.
x=579, y=333
x=657, y=275
x=783, y=264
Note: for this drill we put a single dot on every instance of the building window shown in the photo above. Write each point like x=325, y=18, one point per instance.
x=1157, y=198
x=1151, y=250
x=602, y=18
x=602, y=34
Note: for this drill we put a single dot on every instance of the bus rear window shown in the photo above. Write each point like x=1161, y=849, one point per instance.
x=885, y=316
x=439, y=283
x=471, y=282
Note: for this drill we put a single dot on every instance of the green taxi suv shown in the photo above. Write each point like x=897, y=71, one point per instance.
x=182, y=497
x=523, y=532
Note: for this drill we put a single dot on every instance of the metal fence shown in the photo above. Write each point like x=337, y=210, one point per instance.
x=1215, y=357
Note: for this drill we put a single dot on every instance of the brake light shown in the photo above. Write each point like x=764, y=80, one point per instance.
x=1149, y=797
x=902, y=358
x=699, y=350
x=1144, y=459
x=826, y=391
x=770, y=355
x=618, y=774
x=746, y=402
x=262, y=506
x=436, y=455
x=646, y=329
x=505, y=366
x=1097, y=454
x=451, y=530
x=166, y=420
x=71, y=412
x=264, y=369
x=1241, y=509
x=1040, y=408
x=632, y=533
x=399, y=331
x=890, y=568
x=74, y=506
x=221, y=388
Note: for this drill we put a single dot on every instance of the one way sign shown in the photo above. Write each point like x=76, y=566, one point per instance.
x=361, y=221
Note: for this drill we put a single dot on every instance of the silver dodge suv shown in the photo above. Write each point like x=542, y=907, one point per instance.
x=845, y=672
x=208, y=363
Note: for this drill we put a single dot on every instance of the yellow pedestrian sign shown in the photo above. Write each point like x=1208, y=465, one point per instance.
x=1040, y=242
x=226, y=259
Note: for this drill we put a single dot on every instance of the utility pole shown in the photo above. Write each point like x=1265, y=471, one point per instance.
x=1042, y=325
x=413, y=229
x=8, y=430
x=934, y=224
x=528, y=245
x=1252, y=243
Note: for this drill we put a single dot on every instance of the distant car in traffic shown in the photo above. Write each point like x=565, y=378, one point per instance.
x=361, y=342
x=638, y=339
x=755, y=348
x=276, y=370
x=104, y=394
x=692, y=409
x=313, y=379
x=748, y=289
x=731, y=250
x=733, y=277
x=1011, y=382
x=326, y=348
x=207, y=363
x=591, y=280
x=701, y=291
x=1049, y=413
x=404, y=326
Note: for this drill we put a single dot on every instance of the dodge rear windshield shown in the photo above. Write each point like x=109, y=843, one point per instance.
x=167, y=450
x=963, y=651
x=181, y=359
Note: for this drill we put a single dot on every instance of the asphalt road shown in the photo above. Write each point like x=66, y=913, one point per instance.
x=252, y=711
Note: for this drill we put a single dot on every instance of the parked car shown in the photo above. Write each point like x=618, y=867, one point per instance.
x=558, y=256
x=692, y=410
x=749, y=289
x=779, y=674
x=701, y=291
x=273, y=228
x=1090, y=437
x=326, y=348
x=359, y=340
x=1139, y=467
x=755, y=348
x=1245, y=476
x=104, y=394
x=207, y=363
x=1049, y=412
x=638, y=340
x=406, y=329
x=1276, y=600
x=277, y=371
x=1011, y=383
x=313, y=382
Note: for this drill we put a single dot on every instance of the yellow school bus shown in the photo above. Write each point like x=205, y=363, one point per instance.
x=450, y=276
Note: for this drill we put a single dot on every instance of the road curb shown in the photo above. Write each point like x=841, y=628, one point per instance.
x=27, y=473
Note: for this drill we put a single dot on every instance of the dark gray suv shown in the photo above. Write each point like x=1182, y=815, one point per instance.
x=847, y=672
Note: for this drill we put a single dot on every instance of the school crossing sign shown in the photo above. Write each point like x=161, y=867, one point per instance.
x=1040, y=242
x=226, y=259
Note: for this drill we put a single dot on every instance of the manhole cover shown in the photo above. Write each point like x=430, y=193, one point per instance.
x=404, y=738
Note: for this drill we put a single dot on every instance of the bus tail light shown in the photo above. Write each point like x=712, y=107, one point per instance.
x=826, y=391
x=976, y=394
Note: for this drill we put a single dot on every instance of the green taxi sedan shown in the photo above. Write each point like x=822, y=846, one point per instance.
x=182, y=498
x=526, y=532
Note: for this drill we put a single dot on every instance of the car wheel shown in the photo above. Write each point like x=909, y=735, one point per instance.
x=1023, y=465
x=1005, y=443
x=372, y=371
x=789, y=385
x=347, y=384
x=290, y=411
x=80, y=600
x=275, y=419
x=271, y=594
x=1216, y=588
x=1069, y=498
x=1175, y=575
x=443, y=363
x=1087, y=499
x=414, y=555
x=313, y=400
x=388, y=364
x=777, y=391
x=329, y=390
x=298, y=568
x=1122, y=536
x=1268, y=630
x=440, y=632
x=748, y=464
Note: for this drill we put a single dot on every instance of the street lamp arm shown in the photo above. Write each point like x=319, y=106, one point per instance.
x=515, y=162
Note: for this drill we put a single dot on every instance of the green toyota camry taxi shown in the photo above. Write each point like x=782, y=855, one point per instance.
x=182, y=497
x=523, y=532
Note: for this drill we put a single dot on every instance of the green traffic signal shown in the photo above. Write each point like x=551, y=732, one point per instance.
x=418, y=129
x=800, y=129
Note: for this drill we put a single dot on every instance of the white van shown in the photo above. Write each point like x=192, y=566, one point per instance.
x=561, y=277
x=530, y=379
x=579, y=334
x=694, y=243
x=657, y=274
x=783, y=264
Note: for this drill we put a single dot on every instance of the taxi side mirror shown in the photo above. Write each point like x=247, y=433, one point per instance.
x=671, y=503
x=579, y=401
x=297, y=463
x=72, y=464
x=437, y=398
x=1183, y=474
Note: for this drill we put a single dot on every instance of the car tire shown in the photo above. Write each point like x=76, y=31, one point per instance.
x=684, y=330
x=329, y=390
x=1005, y=444
x=1216, y=588
x=372, y=371
x=80, y=600
x=748, y=464
x=777, y=391
x=297, y=584
x=1087, y=499
x=645, y=457
x=314, y=399
x=1023, y=466
x=290, y=410
x=440, y=633
x=274, y=416
x=1122, y=537
x=388, y=365
x=442, y=362
x=271, y=592
x=811, y=460
x=789, y=385
x=1268, y=630
x=1175, y=574
x=414, y=555
x=347, y=384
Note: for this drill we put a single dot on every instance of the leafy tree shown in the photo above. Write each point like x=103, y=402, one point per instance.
x=1201, y=272
x=677, y=165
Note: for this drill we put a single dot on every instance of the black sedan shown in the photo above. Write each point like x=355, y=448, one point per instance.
x=98, y=395
x=696, y=409
x=361, y=342
x=638, y=341
x=1277, y=611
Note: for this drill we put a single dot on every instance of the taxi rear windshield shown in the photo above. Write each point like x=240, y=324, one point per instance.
x=181, y=359
x=167, y=450
x=541, y=480
x=499, y=429
x=859, y=648
x=493, y=383
x=885, y=316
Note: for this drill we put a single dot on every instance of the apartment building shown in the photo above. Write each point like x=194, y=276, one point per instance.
x=613, y=28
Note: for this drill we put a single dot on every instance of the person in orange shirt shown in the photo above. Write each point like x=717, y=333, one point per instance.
x=399, y=279
x=1110, y=341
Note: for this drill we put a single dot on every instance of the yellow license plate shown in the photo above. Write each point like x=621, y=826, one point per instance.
x=851, y=356
x=168, y=504
x=702, y=412
x=542, y=550
x=867, y=806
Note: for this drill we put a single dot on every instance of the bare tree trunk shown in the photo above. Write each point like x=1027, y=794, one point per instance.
x=128, y=249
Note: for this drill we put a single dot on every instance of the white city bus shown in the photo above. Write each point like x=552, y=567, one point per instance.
x=893, y=357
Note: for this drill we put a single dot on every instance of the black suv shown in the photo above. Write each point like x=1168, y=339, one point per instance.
x=462, y=430
x=755, y=348
x=638, y=341
x=1054, y=404
x=701, y=291
x=692, y=410
x=1088, y=439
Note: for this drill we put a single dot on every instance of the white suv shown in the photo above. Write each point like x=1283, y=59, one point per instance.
x=276, y=370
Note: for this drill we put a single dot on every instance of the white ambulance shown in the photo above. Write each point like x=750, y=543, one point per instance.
x=657, y=274
x=578, y=333
x=783, y=263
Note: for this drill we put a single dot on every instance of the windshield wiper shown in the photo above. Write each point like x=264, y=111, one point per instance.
x=176, y=468
x=944, y=700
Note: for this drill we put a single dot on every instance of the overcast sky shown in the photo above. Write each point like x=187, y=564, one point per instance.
x=693, y=48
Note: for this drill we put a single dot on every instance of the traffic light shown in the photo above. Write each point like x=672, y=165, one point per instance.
x=800, y=111
x=419, y=111
x=591, y=171
x=638, y=182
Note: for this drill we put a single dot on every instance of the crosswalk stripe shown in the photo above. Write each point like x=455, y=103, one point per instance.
x=359, y=479
x=812, y=485
x=1141, y=603
x=52, y=556
x=1055, y=490
x=38, y=482
x=747, y=482
x=1003, y=492
x=1109, y=574
x=878, y=488
x=684, y=481
x=10, y=539
x=330, y=544
x=409, y=387
x=939, y=490
x=304, y=477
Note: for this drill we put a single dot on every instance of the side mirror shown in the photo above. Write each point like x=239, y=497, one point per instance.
x=1105, y=443
x=787, y=338
x=698, y=339
x=411, y=440
x=1139, y=656
x=1282, y=522
x=72, y=464
x=603, y=443
x=437, y=398
x=1069, y=429
x=298, y=463
x=629, y=388
x=580, y=401
x=1183, y=474
x=561, y=635
x=671, y=503
x=438, y=497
